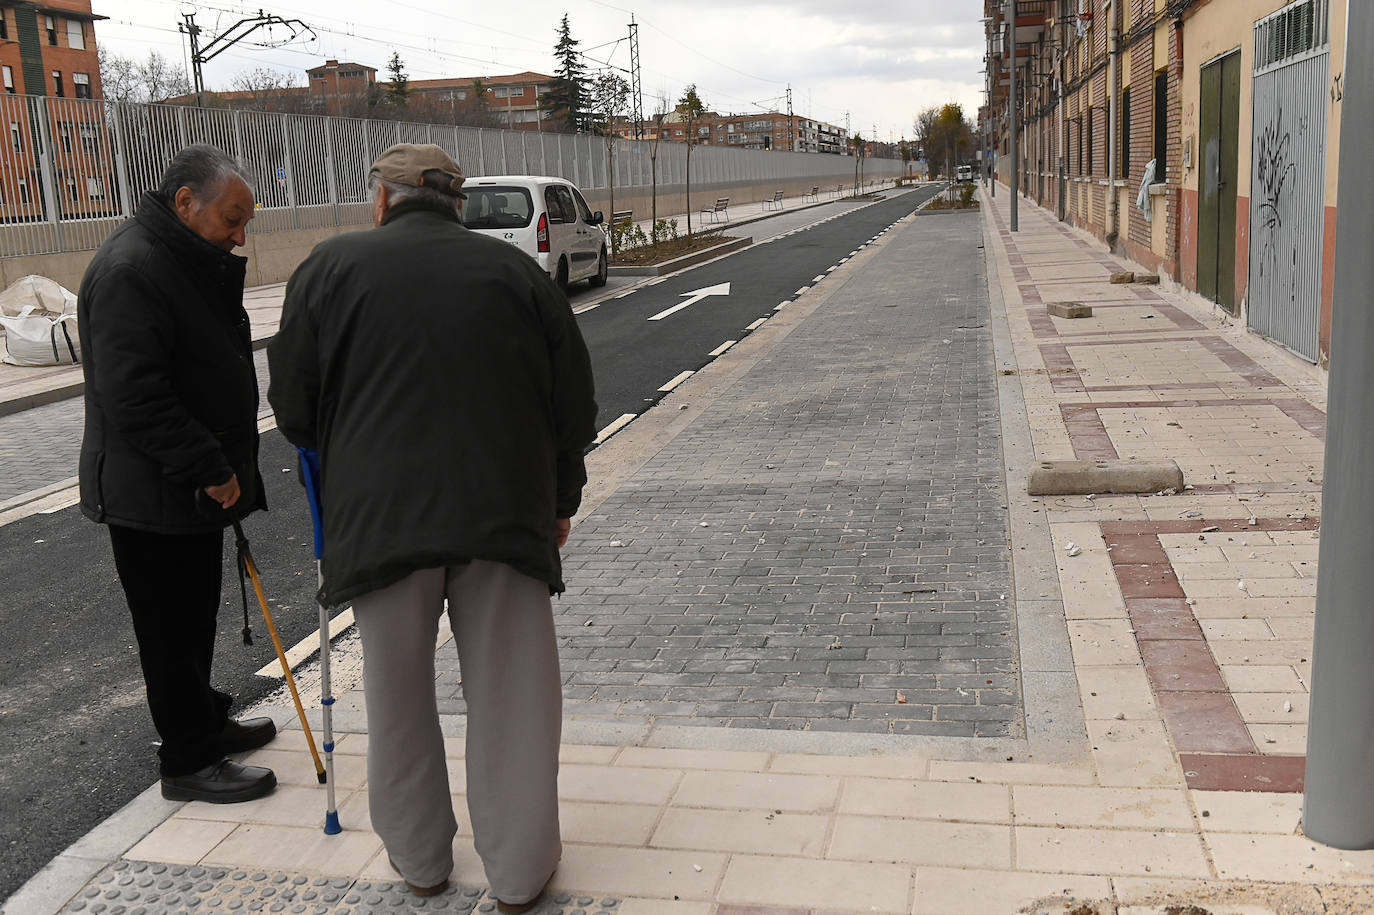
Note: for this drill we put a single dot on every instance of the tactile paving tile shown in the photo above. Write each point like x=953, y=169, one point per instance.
x=152, y=888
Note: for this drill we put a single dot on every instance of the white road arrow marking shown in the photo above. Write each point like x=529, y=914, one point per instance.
x=693, y=298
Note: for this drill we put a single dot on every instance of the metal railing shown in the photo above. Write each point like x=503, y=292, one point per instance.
x=72, y=169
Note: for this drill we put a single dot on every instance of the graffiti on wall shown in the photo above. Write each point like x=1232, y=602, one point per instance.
x=1274, y=167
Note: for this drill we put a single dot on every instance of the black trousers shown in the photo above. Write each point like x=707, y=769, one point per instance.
x=172, y=584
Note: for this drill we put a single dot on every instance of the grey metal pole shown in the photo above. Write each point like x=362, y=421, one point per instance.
x=1011, y=112
x=1338, y=807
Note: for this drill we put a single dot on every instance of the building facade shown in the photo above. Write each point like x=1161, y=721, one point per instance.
x=50, y=73
x=1197, y=137
x=766, y=130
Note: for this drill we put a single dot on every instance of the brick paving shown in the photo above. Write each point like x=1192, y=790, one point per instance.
x=826, y=548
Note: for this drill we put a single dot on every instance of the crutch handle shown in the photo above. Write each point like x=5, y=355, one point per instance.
x=310, y=473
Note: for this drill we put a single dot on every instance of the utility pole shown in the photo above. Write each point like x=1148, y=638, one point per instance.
x=230, y=37
x=1338, y=805
x=791, y=127
x=1011, y=115
x=636, y=85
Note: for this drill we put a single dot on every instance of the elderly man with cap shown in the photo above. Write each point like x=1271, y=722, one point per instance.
x=442, y=377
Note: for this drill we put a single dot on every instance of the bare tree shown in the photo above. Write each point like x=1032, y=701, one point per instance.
x=156, y=79
x=691, y=108
x=660, y=112
x=609, y=98
x=271, y=90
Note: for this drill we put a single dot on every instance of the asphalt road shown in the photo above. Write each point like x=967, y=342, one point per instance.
x=76, y=742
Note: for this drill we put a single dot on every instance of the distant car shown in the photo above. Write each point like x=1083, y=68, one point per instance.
x=964, y=174
x=545, y=217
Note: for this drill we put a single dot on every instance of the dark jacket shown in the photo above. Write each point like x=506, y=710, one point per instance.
x=171, y=392
x=443, y=379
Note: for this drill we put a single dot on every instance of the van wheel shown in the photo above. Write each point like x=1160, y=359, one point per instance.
x=602, y=269
x=561, y=278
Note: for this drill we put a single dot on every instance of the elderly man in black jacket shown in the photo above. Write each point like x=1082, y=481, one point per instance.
x=169, y=455
x=443, y=379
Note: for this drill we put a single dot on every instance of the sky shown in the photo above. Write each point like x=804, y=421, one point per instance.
x=878, y=61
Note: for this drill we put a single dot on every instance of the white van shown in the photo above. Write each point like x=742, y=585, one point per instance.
x=547, y=218
x=965, y=174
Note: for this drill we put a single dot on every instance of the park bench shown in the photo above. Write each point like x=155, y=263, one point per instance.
x=721, y=209
x=813, y=194
x=773, y=202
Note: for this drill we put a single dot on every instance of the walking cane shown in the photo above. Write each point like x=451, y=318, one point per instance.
x=246, y=564
x=310, y=472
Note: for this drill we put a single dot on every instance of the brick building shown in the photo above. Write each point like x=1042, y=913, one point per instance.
x=770, y=130
x=49, y=69
x=1179, y=105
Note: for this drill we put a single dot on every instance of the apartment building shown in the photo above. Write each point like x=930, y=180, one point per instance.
x=767, y=130
x=49, y=68
x=1197, y=137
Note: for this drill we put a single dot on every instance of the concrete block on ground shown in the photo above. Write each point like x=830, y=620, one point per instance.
x=1069, y=310
x=1058, y=478
x=1123, y=277
x=1149, y=279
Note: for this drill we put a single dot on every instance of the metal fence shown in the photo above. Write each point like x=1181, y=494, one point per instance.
x=72, y=169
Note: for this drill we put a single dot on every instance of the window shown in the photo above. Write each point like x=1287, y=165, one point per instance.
x=76, y=35
x=1092, y=163
x=16, y=137
x=71, y=186
x=553, y=206
x=24, y=190
x=51, y=25
x=90, y=140
x=319, y=74
x=81, y=85
x=1161, y=149
x=94, y=188
x=1124, y=169
x=4, y=26
x=501, y=92
x=8, y=73
x=57, y=84
x=64, y=132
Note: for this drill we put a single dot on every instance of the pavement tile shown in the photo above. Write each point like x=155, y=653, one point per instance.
x=873, y=766
x=845, y=886
x=1110, y=852
x=948, y=890
x=1012, y=773
x=920, y=841
x=290, y=848
x=1239, y=856
x=617, y=784
x=1107, y=692
x=1103, y=642
x=181, y=840
x=758, y=791
x=758, y=831
x=926, y=800
x=656, y=757
x=639, y=871
x=1113, y=807
x=1132, y=753
x=1248, y=811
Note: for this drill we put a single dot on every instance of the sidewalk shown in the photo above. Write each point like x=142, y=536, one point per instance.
x=823, y=654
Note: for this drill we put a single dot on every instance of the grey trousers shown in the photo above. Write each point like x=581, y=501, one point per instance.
x=503, y=627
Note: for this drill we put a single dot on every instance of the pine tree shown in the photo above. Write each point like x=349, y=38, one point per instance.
x=565, y=100
x=399, y=91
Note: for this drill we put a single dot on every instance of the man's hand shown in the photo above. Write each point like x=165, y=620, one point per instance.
x=227, y=493
x=561, y=528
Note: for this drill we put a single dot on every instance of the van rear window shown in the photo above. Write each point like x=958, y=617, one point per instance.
x=496, y=207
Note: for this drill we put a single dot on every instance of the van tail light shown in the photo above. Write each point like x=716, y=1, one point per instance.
x=542, y=233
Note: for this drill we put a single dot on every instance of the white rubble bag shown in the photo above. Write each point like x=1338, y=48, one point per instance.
x=39, y=318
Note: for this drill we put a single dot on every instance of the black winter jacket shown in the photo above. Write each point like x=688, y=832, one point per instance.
x=171, y=392
x=443, y=379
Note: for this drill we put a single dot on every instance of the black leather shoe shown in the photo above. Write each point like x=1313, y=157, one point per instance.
x=249, y=734
x=226, y=782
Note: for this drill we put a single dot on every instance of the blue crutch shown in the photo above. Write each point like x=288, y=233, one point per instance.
x=310, y=471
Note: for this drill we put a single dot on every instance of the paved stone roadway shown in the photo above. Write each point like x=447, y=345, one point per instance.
x=41, y=446
x=827, y=540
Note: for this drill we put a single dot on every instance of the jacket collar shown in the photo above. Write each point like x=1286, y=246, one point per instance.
x=159, y=218
x=413, y=205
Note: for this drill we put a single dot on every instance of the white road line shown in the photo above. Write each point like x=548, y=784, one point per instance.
x=722, y=348
x=677, y=380
x=307, y=646
x=818, y=278
x=757, y=324
x=781, y=305
x=624, y=420
x=832, y=269
x=803, y=290
x=843, y=259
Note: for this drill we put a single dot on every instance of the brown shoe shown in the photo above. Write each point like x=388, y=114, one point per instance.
x=434, y=890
